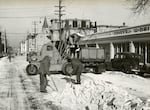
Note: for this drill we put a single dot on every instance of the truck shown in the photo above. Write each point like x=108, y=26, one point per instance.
x=92, y=59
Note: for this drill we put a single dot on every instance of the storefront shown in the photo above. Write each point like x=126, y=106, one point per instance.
x=130, y=39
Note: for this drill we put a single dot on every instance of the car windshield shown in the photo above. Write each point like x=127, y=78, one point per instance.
x=133, y=56
x=138, y=57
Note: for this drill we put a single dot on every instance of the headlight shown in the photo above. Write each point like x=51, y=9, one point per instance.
x=33, y=58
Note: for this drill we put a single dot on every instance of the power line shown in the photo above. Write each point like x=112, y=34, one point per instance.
x=16, y=33
x=21, y=33
x=59, y=12
x=18, y=9
x=20, y=17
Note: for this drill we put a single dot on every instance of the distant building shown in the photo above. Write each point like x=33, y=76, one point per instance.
x=2, y=42
x=70, y=26
x=31, y=43
x=23, y=47
x=49, y=29
x=41, y=39
x=104, y=28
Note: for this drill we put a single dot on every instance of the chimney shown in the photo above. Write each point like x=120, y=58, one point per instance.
x=124, y=24
x=95, y=24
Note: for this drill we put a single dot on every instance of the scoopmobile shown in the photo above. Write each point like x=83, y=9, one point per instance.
x=58, y=61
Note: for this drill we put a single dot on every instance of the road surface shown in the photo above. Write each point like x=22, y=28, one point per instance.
x=19, y=91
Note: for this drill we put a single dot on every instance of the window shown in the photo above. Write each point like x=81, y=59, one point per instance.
x=83, y=24
x=66, y=23
x=122, y=56
x=75, y=24
x=145, y=29
x=116, y=56
x=91, y=45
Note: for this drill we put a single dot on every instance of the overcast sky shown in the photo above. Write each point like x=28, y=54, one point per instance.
x=109, y=12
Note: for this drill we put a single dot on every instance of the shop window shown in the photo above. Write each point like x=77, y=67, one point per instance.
x=91, y=45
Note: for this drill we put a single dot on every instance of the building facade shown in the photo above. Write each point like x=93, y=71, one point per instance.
x=134, y=39
x=23, y=47
x=70, y=26
x=3, y=42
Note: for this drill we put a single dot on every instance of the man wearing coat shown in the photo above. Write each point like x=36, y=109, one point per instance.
x=43, y=71
x=77, y=68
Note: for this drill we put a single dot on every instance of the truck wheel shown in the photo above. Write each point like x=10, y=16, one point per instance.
x=31, y=69
x=100, y=68
x=67, y=68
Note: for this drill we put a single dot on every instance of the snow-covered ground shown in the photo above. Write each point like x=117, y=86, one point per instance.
x=106, y=91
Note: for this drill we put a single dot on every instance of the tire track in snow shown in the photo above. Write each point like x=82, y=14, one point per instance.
x=16, y=92
x=11, y=93
x=31, y=89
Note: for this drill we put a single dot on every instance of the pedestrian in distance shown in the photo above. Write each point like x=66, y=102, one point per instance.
x=43, y=71
x=9, y=57
x=77, y=68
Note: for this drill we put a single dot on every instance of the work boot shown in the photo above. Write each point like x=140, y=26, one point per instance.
x=45, y=91
x=77, y=82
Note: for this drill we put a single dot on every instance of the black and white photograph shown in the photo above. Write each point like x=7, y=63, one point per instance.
x=74, y=55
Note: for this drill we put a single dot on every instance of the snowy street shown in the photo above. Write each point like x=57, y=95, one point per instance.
x=106, y=91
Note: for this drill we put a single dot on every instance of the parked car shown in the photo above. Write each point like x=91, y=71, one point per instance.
x=127, y=62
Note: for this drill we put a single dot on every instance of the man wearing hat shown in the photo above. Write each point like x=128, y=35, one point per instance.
x=43, y=71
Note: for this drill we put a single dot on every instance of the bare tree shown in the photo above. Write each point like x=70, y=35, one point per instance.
x=140, y=5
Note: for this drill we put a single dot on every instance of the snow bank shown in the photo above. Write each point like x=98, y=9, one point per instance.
x=95, y=95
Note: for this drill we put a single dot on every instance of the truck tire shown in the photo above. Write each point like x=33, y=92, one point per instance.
x=31, y=69
x=67, y=68
x=100, y=68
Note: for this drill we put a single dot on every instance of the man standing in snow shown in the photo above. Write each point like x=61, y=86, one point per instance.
x=77, y=68
x=43, y=71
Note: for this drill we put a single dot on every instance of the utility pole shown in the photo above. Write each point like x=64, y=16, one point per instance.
x=5, y=42
x=59, y=12
x=35, y=23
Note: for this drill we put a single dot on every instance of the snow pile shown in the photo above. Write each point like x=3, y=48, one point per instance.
x=95, y=95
